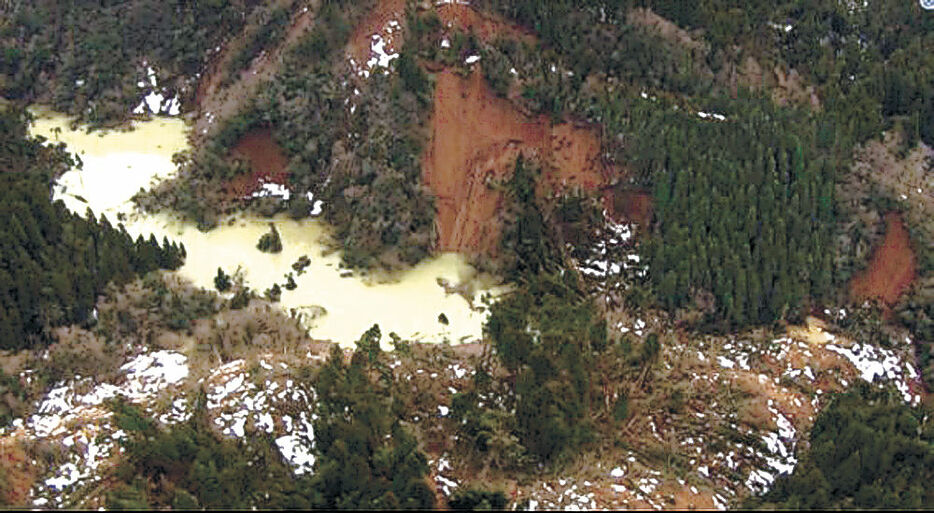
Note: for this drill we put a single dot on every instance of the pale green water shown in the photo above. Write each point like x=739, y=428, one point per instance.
x=117, y=164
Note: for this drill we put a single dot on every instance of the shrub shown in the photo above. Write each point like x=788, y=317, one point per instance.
x=475, y=499
x=270, y=241
x=222, y=281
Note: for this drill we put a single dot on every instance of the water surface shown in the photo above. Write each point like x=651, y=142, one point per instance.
x=117, y=164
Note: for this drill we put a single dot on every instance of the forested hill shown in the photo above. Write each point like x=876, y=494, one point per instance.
x=98, y=59
x=54, y=263
x=712, y=221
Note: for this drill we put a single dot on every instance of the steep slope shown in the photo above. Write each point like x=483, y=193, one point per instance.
x=217, y=102
x=475, y=139
x=893, y=266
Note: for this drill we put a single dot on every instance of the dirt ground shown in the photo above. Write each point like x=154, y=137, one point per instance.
x=485, y=26
x=667, y=29
x=475, y=136
x=17, y=478
x=453, y=16
x=262, y=151
x=475, y=139
x=266, y=158
x=905, y=176
x=892, y=268
x=377, y=22
x=635, y=206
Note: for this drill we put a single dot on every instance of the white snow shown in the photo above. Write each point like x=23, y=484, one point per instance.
x=380, y=55
x=603, y=266
x=705, y=115
x=317, y=208
x=459, y=372
x=82, y=423
x=297, y=453
x=275, y=190
x=874, y=363
x=155, y=101
x=148, y=374
x=719, y=502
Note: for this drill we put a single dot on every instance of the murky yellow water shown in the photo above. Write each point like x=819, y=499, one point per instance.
x=117, y=164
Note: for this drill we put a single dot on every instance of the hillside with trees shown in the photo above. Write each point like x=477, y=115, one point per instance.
x=54, y=263
x=92, y=59
x=680, y=204
x=866, y=449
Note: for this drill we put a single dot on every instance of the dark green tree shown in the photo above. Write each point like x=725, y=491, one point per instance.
x=270, y=242
x=222, y=281
x=367, y=459
x=867, y=450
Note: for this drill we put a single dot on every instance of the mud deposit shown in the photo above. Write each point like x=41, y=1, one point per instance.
x=267, y=162
x=893, y=266
x=475, y=140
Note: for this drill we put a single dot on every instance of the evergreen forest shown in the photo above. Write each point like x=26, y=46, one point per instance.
x=693, y=240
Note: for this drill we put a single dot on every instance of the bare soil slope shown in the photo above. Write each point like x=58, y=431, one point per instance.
x=266, y=159
x=376, y=22
x=475, y=140
x=486, y=27
x=893, y=266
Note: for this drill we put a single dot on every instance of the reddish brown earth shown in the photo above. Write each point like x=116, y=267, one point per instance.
x=376, y=22
x=892, y=268
x=486, y=27
x=267, y=161
x=475, y=140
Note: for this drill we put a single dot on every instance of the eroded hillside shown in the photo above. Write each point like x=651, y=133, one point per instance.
x=475, y=140
x=707, y=245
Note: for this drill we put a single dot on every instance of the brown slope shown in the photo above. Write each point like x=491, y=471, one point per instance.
x=475, y=140
x=893, y=266
x=267, y=161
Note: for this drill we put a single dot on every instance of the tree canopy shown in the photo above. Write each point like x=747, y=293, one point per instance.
x=54, y=263
x=867, y=450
